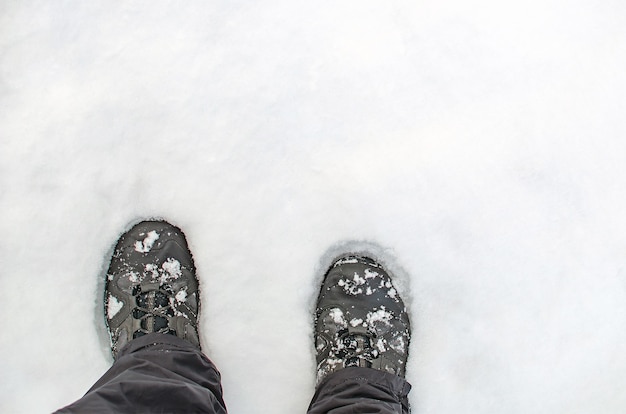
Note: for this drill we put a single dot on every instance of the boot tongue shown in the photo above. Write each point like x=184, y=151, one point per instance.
x=150, y=286
x=359, y=329
x=152, y=299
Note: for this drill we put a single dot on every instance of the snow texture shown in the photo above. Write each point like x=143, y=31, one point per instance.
x=481, y=144
x=114, y=305
x=146, y=244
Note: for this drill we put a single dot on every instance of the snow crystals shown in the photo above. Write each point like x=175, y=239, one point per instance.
x=145, y=245
x=171, y=270
x=379, y=316
x=181, y=296
x=356, y=322
x=113, y=306
x=151, y=270
x=370, y=274
x=133, y=277
x=338, y=317
x=359, y=284
x=346, y=260
x=352, y=286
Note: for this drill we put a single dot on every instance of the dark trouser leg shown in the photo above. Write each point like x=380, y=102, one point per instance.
x=156, y=373
x=361, y=390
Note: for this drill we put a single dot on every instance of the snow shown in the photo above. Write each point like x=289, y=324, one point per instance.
x=171, y=271
x=181, y=295
x=338, y=317
x=479, y=145
x=134, y=277
x=381, y=315
x=152, y=270
x=114, y=305
x=356, y=322
x=369, y=274
x=392, y=293
x=146, y=244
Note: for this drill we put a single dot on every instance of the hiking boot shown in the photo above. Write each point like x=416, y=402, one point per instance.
x=151, y=286
x=360, y=320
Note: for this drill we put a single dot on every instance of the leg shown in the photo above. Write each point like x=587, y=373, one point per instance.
x=362, y=335
x=156, y=372
x=361, y=390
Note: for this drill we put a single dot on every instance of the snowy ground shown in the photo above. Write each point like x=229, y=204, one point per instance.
x=482, y=143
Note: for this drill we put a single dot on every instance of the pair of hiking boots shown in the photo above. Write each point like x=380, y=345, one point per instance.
x=151, y=286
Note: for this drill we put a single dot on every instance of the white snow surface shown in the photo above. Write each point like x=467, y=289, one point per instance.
x=480, y=144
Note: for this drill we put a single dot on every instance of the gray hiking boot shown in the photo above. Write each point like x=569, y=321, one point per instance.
x=360, y=319
x=151, y=286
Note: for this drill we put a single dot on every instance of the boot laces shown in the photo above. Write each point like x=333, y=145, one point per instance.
x=356, y=349
x=153, y=310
